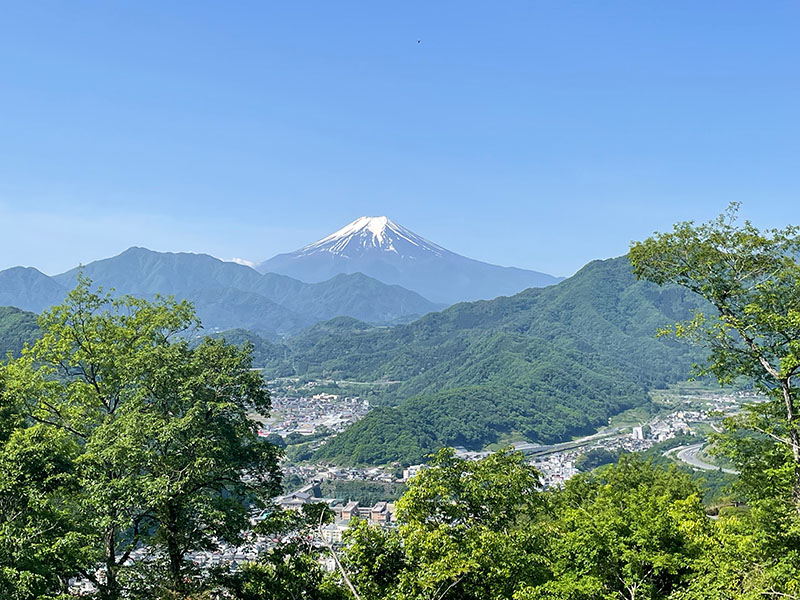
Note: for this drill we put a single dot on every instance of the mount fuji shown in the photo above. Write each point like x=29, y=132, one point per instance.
x=384, y=250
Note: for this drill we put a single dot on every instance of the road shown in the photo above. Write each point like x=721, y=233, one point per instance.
x=688, y=454
x=538, y=449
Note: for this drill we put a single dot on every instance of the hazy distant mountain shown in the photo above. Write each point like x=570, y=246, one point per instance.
x=29, y=289
x=393, y=254
x=226, y=295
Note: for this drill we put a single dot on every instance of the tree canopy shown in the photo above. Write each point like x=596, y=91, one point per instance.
x=751, y=278
x=139, y=441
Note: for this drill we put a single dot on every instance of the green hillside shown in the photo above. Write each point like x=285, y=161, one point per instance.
x=265, y=353
x=547, y=363
x=16, y=328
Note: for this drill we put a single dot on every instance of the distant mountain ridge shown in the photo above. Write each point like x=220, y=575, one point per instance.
x=393, y=254
x=29, y=289
x=226, y=295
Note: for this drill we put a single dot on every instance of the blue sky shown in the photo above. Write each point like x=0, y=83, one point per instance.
x=534, y=134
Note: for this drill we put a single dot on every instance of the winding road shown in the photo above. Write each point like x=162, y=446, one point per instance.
x=688, y=454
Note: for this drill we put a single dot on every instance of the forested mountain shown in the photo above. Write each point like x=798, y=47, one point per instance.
x=226, y=295
x=547, y=363
x=274, y=356
x=16, y=328
x=393, y=254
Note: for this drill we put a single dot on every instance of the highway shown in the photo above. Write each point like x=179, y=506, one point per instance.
x=688, y=454
x=539, y=450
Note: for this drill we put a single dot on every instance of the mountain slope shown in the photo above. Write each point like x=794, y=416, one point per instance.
x=226, y=295
x=17, y=328
x=389, y=252
x=547, y=363
x=29, y=289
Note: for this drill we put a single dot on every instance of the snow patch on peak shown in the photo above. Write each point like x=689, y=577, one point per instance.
x=374, y=225
x=378, y=233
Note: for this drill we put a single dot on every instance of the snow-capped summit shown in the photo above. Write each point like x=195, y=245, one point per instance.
x=373, y=233
x=380, y=248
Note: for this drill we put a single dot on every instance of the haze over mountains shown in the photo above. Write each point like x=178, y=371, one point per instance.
x=29, y=289
x=373, y=270
x=226, y=295
x=390, y=253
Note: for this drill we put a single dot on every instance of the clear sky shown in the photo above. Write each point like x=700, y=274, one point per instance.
x=534, y=134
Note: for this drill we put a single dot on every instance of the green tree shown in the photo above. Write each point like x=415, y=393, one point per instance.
x=375, y=558
x=467, y=530
x=751, y=280
x=597, y=458
x=291, y=568
x=167, y=457
x=38, y=540
x=623, y=531
x=745, y=555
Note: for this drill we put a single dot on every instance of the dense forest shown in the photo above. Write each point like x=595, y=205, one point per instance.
x=366, y=493
x=17, y=328
x=547, y=363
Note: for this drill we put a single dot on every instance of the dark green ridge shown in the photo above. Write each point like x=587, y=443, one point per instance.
x=548, y=363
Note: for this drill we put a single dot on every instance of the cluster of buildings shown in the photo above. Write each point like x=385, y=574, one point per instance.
x=556, y=468
x=307, y=414
x=411, y=471
x=318, y=473
x=381, y=513
x=676, y=423
x=224, y=555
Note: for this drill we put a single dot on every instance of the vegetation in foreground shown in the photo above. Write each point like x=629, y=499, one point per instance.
x=118, y=438
x=120, y=441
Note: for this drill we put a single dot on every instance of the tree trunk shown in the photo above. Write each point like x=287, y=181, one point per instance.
x=796, y=488
x=794, y=439
x=110, y=590
x=174, y=551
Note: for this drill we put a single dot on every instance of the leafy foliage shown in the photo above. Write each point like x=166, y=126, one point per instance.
x=465, y=532
x=137, y=438
x=751, y=279
x=622, y=532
